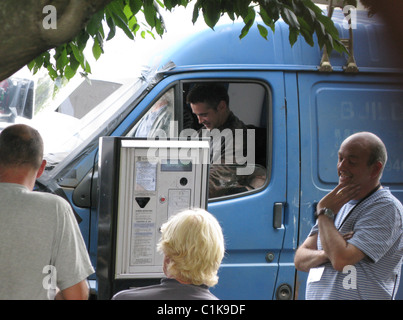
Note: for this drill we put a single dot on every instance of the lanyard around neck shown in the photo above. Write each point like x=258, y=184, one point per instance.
x=366, y=197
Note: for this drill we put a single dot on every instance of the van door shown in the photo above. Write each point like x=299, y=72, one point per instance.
x=332, y=107
x=254, y=222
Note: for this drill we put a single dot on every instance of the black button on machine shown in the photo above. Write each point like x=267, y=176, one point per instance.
x=183, y=181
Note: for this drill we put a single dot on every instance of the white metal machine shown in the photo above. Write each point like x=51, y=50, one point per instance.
x=142, y=183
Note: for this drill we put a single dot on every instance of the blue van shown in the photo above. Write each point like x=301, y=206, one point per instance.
x=300, y=115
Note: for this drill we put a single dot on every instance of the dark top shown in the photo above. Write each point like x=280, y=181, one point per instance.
x=168, y=289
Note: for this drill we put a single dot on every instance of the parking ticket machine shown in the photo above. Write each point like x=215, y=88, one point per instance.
x=142, y=183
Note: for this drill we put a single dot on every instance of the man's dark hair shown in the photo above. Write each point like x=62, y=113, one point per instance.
x=21, y=145
x=210, y=93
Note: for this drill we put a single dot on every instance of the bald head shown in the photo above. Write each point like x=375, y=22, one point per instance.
x=20, y=145
x=371, y=143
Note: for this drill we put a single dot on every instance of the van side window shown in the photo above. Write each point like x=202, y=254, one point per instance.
x=238, y=161
x=158, y=120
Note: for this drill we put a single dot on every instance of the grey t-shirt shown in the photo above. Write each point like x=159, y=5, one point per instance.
x=41, y=245
x=168, y=289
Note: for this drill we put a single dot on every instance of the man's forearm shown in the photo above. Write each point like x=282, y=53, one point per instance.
x=339, y=251
x=79, y=291
x=311, y=259
x=330, y=238
x=306, y=258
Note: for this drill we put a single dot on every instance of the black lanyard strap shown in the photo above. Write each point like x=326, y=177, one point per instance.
x=366, y=197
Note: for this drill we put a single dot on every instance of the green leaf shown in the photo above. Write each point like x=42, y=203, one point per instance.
x=160, y=3
x=36, y=64
x=290, y=18
x=306, y=31
x=168, y=4
x=263, y=31
x=96, y=49
x=329, y=25
x=74, y=64
x=135, y=6
x=122, y=25
x=249, y=19
x=320, y=27
x=338, y=46
x=69, y=72
x=196, y=9
x=242, y=7
x=52, y=72
x=61, y=57
x=266, y=19
x=151, y=34
x=150, y=13
x=128, y=12
x=82, y=39
x=293, y=36
x=78, y=55
x=132, y=23
x=31, y=65
x=95, y=23
x=117, y=8
x=211, y=13
x=159, y=27
x=87, y=68
x=309, y=4
x=112, y=28
x=311, y=14
x=272, y=10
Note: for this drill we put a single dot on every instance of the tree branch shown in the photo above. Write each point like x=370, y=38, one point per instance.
x=23, y=36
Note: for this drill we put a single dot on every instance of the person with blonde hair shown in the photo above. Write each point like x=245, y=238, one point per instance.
x=192, y=243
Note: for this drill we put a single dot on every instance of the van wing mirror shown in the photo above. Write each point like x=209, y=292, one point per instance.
x=16, y=99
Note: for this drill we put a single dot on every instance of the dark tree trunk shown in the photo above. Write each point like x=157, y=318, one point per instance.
x=24, y=35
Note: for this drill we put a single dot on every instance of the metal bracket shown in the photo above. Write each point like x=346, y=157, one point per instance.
x=351, y=66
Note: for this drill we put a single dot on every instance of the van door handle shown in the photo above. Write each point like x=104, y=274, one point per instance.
x=278, y=215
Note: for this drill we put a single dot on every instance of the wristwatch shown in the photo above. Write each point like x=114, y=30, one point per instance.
x=325, y=211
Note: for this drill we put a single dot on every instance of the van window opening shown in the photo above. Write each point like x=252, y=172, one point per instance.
x=247, y=170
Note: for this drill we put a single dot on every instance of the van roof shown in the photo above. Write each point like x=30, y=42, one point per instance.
x=222, y=49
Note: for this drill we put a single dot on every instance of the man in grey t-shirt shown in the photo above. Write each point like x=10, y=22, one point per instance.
x=43, y=255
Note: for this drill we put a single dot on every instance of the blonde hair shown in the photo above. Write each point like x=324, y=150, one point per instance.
x=194, y=243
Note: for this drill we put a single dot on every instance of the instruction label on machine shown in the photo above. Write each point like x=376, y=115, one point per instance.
x=146, y=175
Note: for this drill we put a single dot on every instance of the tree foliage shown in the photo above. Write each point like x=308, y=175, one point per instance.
x=303, y=17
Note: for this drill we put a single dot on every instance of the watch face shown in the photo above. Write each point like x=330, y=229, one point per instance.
x=328, y=213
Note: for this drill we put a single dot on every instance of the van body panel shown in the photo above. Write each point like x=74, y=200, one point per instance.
x=334, y=107
x=225, y=50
